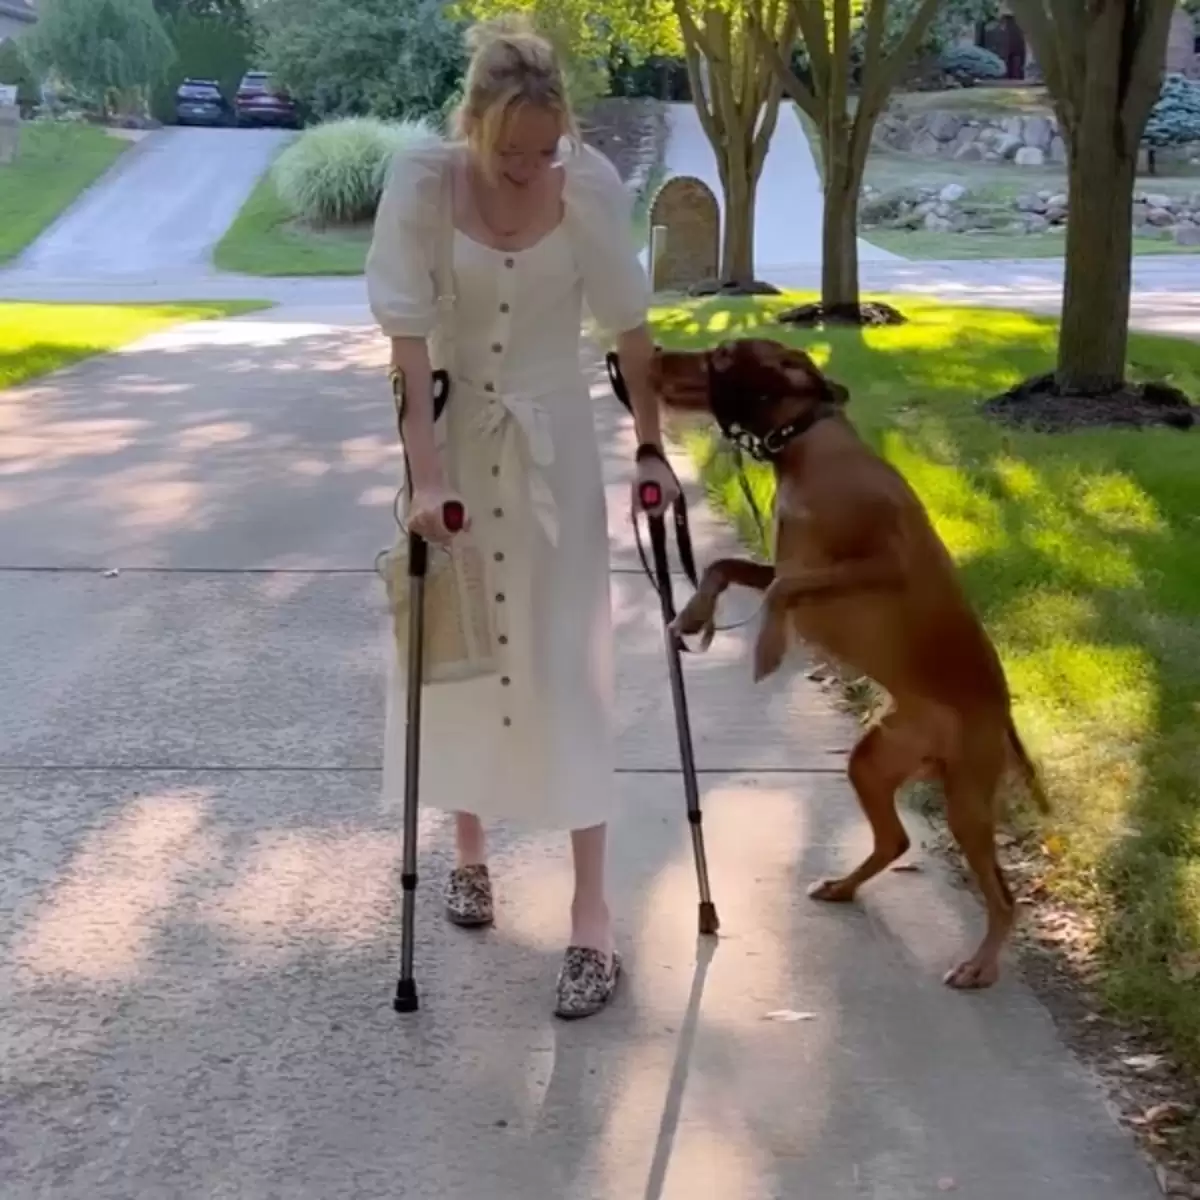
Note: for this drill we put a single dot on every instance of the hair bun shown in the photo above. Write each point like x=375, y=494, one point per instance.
x=513, y=28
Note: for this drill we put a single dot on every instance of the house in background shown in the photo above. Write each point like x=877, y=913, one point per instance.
x=16, y=16
x=1003, y=37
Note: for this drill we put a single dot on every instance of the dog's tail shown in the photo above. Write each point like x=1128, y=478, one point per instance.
x=1033, y=781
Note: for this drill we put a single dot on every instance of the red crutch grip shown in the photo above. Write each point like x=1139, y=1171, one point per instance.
x=454, y=515
x=650, y=494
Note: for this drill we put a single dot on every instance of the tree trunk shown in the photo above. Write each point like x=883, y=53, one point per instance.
x=1096, y=291
x=737, y=243
x=839, y=229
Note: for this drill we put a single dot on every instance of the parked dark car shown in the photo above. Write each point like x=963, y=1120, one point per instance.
x=201, y=102
x=259, y=102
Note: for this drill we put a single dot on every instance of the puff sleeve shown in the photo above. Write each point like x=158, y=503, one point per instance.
x=600, y=211
x=401, y=288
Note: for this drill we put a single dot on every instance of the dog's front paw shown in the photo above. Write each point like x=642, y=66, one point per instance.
x=697, y=617
x=769, y=650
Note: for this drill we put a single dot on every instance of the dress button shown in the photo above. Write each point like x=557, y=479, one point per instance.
x=505, y=681
x=497, y=512
x=499, y=597
x=496, y=347
x=489, y=387
x=495, y=471
x=503, y=639
x=498, y=556
x=509, y=262
x=507, y=721
x=504, y=308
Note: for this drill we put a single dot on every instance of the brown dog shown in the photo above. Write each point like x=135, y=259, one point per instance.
x=860, y=573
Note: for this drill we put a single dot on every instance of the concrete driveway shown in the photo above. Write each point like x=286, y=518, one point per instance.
x=159, y=213
x=199, y=895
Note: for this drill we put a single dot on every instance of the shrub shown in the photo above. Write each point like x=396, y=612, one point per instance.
x=1175, y=119
x=333, y=174
x=207, y=46
x=970, y=63
x=14, y=70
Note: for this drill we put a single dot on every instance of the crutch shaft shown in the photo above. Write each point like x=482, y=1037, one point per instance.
x=662, y=569
x=407, y=999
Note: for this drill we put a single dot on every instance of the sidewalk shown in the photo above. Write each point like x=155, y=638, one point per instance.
x=201, y=912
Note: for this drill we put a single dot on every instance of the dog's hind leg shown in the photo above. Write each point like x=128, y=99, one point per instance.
x=971, y=785
x=879, y=765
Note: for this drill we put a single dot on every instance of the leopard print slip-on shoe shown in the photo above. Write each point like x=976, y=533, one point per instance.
x=469, y=897
x=586, y=982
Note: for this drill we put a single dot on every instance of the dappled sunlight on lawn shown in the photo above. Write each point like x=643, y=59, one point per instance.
x=1080, y=552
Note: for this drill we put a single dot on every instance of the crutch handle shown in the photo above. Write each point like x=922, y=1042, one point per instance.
x=454, y=515
x=649, y=495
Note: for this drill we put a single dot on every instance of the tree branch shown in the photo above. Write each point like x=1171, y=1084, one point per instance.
x=693, y=41
x=875, y=88
x=1063, y=80
x=1145, y=72
x=810, y=20
x=791, y=83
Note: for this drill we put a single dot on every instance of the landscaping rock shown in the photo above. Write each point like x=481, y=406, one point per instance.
x=952, y=193
x=1030, y=204
x=1160, y=217
x=1058, y=200
x=1030, y=156
x=1035, y=223
x=1158, y=200
x=1009, y=146
x=1187, y=235
x=1058, y=150
x=936, y=224
x=944, y=126
x=926, y=145
x=1038, y=132
x=968, y=153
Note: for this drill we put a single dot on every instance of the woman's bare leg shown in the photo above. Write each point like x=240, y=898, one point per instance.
x=591, y=922
x=470, y=843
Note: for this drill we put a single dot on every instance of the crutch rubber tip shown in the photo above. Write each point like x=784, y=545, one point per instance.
x=406, y=1000
x=708, y=918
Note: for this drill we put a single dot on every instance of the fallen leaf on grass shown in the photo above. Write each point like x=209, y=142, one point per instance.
x=788, y=1015
x=1185, y=968
x=947, y=1184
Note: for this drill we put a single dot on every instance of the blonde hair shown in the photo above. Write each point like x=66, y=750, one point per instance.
x=511, y=67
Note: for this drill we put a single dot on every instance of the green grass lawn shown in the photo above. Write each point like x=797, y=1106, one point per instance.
x=36, y=339
x=266, y=240
x=54, y=164
x=1082, y=554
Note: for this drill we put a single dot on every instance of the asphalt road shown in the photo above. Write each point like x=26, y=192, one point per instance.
x=160, y=211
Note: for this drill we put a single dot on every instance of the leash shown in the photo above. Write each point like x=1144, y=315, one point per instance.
x=659, y=575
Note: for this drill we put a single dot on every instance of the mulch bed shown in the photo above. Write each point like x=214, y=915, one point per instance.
x=870, y=314
x=1039, y=404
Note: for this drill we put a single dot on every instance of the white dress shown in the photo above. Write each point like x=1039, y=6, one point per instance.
x=534, y=744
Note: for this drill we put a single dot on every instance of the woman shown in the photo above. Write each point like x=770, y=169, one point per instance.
x=540, y=223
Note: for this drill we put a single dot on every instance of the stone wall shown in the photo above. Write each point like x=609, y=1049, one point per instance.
x=1030, y=141
x=953, y=209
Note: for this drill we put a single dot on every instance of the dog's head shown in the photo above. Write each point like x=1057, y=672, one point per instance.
x=756, y=384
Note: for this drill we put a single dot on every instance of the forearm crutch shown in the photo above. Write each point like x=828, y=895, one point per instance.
x=453, y=516
x=649, y=497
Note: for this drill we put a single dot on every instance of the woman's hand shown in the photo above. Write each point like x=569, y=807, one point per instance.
x=654, y=481
x=427, y=514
